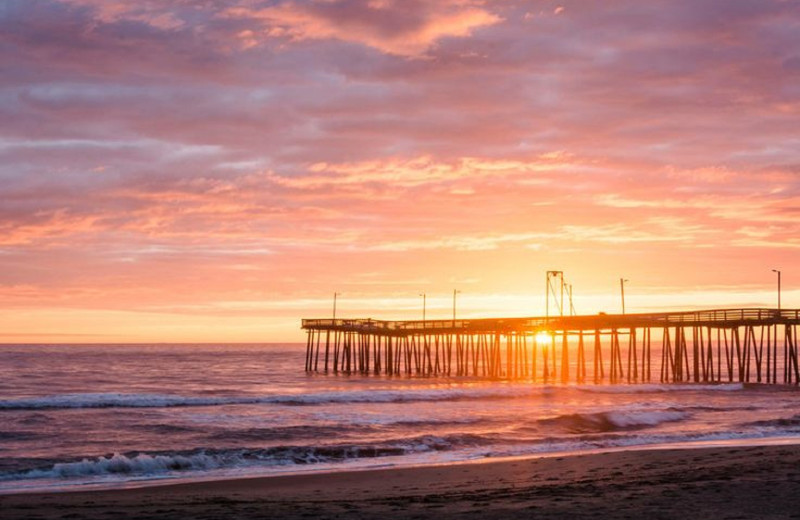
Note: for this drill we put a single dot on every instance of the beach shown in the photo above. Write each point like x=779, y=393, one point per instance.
x=720, y=483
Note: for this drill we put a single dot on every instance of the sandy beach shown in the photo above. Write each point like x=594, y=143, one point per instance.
x=719, y=483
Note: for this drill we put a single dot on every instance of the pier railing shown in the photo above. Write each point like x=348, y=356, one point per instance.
x=714, y=317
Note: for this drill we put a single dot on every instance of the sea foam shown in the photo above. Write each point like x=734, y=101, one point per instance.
x=120, y=400
x=609, y=421
x=155, y=464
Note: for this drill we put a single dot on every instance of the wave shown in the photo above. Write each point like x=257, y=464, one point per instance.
x=611, y=421
x=164, y=463
x=793, y=423
x=646, y=388
x=120, y=400
x=20, y=435
x=116, y=400
x=167, y=429
x=712, y=408
x=335, y=431
x=634, y=441
x=143, y=464
x=301, y=431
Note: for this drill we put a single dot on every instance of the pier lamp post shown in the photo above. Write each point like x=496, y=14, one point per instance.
x=454, y=305
x=571, y=305
x=622, y=292
x=424, y=305
x=549, y=289
x=335, y=295
x=779, y=287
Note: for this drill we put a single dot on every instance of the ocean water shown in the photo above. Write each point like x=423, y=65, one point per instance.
x=108, y=416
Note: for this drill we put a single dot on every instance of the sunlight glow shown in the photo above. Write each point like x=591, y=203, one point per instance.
x=544, y=339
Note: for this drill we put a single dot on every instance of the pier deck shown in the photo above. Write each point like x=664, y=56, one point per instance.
x=720, y=345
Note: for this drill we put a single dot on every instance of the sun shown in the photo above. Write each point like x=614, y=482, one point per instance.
x=543, y=338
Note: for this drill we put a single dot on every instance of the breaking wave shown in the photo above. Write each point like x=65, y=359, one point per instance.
x=155, y=464
x=793, y=423
x=612, y=421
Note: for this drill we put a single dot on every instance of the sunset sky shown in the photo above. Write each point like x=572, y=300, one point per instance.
x=209, y=170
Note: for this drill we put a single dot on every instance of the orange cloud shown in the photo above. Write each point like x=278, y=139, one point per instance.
x=50, y=228
x=425, y=170
x=394, y=27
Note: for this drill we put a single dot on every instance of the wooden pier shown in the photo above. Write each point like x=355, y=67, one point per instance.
x=710, y=346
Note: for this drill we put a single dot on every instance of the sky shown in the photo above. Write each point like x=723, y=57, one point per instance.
x=209, y=170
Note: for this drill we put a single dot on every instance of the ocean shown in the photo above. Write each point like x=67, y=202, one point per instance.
x=108, y=416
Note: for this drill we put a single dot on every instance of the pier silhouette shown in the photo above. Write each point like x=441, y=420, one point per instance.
x=708, y=346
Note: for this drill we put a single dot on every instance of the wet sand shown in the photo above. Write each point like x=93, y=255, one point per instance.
x=714, y=483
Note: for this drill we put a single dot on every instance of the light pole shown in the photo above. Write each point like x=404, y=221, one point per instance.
x=622, y=292
x=779, y=287
x=335, y=295
x=424, y=305
x=571, y=306
x=454, y=304
x=548, y=289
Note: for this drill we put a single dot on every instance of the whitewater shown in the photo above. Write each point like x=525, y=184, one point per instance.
x=104, y=416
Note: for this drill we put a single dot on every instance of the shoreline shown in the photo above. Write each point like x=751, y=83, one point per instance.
x=375, y=465
x=748, y=481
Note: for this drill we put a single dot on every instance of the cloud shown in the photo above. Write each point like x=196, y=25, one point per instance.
x=160, y=15
x=53, y=228
x=180, y=154
x=652, y=230
x=408, y=173
x=400, y=27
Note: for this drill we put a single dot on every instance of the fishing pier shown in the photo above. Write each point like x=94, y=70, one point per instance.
x=710, y=346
